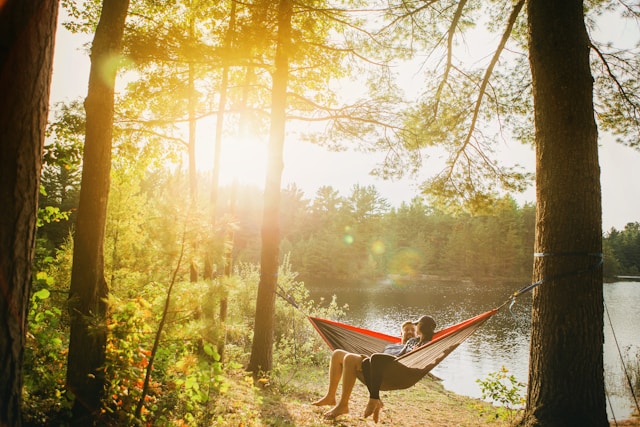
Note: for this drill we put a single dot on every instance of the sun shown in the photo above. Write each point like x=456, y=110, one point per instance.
x=242, y=159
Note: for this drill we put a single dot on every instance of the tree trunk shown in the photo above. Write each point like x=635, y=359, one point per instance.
x=222, y=106
x=262, y=348
x=566, y=379
x=27, y=34
x=88, y=293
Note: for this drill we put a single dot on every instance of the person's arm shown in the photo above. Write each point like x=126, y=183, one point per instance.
x=410, y=345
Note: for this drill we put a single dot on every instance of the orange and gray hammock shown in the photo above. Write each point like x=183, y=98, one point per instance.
x=409, y=368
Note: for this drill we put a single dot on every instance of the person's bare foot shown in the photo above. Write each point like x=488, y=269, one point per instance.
x=336, y=412
x=325, y=401
x=373, y=408
x=376, y=412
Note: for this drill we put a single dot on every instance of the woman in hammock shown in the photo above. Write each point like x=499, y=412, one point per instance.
x=347, y=365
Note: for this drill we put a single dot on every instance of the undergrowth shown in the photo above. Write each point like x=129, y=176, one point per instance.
x=189, y=373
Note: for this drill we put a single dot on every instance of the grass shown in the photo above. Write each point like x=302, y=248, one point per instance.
x=284, y=401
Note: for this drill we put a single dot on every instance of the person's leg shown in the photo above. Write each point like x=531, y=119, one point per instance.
x=378, y=364
x=352, y=364
x=335, y=373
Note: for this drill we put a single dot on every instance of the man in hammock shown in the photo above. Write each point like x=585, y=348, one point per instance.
x=349, y=366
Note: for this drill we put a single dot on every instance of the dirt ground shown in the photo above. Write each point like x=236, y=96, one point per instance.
x=286, y=402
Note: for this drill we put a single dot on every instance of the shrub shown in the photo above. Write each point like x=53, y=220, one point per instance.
x=505, y=390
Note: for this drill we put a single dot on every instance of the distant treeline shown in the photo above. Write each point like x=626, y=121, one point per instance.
x=622, y=251
x=361, y=237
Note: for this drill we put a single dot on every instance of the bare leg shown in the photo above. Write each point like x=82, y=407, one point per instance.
x=335, y=372
x=352, y=364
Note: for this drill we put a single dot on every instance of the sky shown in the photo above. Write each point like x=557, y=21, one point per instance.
x=310, y=166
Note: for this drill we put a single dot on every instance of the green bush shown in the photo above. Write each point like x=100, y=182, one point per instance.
x=632, y=364
x=45, y=359
x=505, y=390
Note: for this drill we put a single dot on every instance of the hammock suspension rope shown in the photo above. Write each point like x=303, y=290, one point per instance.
x=531, y=286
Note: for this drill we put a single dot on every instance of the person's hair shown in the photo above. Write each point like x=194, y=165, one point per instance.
x=427, y=326
x=408, y=322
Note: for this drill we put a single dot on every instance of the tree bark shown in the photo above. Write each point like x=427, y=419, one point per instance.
x=262, y=347
x=566, y=379
x=88, y=293
x=27, y=37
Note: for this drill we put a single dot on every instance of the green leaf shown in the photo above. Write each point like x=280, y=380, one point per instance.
x=208, y=348
x=42, y=294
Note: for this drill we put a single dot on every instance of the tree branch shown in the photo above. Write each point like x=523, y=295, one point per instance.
x=485, y=82
x=451, y=33
x=621, y=90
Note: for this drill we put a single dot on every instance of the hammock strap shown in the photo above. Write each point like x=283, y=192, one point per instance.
x=286, y=296
x=595, y=266
x=279, y=291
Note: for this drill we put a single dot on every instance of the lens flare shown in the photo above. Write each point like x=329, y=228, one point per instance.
x=110, y=65
x=348, y=237
x=377, y=248
x=406, y=263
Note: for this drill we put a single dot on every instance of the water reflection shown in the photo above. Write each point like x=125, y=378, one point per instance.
x=502, y=341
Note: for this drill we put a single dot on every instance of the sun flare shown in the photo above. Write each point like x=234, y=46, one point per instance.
x=242, y=160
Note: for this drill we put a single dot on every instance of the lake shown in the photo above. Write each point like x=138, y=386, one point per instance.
x=502, y=341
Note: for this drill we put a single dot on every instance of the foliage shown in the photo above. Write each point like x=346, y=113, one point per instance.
x=503, y=389
x=632, y=366
x=622, y=250
x=61, y=173
x=49, y=214
x=188, y=373
x=296, y=342
x=127, y=357
x=47, y=337
x=187, y=370
x=45, y=357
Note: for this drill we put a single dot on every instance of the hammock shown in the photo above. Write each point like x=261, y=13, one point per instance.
x=409, y=368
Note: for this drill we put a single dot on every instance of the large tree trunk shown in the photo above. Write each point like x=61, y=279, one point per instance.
x=566, y=379
x=262, y=348
x=89, y=292
x=27, y=34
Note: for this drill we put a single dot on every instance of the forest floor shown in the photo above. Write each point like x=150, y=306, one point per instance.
x=287, y=403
